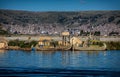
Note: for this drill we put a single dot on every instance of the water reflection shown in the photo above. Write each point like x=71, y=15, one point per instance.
x=2, y=51
x=61, y=59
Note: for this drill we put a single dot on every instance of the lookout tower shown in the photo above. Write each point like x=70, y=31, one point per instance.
x=65, y=37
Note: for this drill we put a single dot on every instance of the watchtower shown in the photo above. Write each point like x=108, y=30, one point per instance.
x=65, y=38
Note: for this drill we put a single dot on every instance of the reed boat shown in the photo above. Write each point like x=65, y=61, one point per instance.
x=62, y=48
x=89, y=48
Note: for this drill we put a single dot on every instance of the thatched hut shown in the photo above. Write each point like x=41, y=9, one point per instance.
x=3, y=43
x=60, y=43
x=44, y=41
x=75, y=41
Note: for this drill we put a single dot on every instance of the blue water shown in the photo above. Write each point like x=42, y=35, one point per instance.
x=60, y=63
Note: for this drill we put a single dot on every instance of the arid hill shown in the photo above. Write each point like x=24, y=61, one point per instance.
x=27, y=22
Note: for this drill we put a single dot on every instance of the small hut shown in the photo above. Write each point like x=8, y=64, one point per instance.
x=60, y=43
x=44, y=41
x=75, y=41
x=3, y=43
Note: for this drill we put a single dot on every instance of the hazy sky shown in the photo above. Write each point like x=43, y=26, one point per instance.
x=60, y=5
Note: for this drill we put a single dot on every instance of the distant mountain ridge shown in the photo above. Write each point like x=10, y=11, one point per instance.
x=27, y=22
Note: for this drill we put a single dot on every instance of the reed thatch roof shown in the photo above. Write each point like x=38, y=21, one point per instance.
x=3, y=42
x=2, y=39
x=65, y=33
x=45, y=38
x=75, y=40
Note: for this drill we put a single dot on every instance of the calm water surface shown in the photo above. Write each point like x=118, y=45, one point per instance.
x=60, y=63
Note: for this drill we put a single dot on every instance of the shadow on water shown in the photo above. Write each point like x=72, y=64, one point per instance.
x=57, y=72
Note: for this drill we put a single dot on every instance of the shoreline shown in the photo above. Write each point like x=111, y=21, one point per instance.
x=58, y=49
x=51, y=49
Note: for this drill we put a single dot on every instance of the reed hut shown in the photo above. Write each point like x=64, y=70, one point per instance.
x=44, y=41
x=3, y=43
x=75, y=41
x=60, y=43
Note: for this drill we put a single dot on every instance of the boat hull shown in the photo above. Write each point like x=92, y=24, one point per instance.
x=88, y=48
x=53, y=49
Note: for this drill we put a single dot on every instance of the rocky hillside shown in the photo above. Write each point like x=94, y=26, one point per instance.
x=27, y=22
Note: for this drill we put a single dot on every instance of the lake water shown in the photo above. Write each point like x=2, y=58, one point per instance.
x=60, y=63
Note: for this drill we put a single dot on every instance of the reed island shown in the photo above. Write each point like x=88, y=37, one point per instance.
x=64, y=42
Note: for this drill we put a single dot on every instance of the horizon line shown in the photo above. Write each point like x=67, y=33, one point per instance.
x=57, y=10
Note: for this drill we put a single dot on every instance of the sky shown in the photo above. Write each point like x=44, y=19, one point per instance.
x=60, y=5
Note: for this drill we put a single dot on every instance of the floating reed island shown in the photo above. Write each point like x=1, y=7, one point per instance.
x=65, y=42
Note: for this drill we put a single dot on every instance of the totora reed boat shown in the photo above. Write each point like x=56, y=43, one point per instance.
x=62, y=48
x=89, y=48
